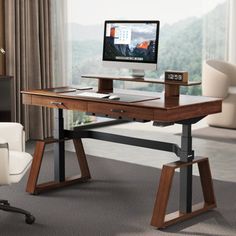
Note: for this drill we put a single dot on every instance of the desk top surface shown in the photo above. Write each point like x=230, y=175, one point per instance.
x=151, y=99
x=155, y=104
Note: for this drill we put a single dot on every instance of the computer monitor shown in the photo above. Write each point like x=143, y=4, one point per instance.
x=131, y=44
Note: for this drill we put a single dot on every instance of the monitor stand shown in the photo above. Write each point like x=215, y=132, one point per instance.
x=138, y=73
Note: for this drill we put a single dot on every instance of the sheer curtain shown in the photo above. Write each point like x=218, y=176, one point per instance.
x=215, y=29
x=59, y=42
x=219, y=32
x=232, y=32
x=61, y=50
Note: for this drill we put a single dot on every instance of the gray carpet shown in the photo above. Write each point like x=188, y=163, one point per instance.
x=118, y=201
x=215, y=134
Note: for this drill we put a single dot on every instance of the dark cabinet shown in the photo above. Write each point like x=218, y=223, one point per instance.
x=6, y=99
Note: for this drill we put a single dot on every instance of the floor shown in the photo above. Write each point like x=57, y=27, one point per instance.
x=118, y=201
x=221, y=155
x=50, y=222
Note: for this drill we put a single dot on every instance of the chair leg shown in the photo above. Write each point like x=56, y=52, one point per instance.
x=4, y=202
x=5, y=206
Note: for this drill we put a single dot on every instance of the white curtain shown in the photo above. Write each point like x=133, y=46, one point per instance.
x=215, y=30
x=232, y=32
x=60, y=42
x=219, y=31
x=61, y=49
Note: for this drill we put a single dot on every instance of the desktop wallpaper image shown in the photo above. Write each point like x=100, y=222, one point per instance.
x=130, y=42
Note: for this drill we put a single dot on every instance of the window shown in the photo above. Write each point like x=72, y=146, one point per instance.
x=190, y=32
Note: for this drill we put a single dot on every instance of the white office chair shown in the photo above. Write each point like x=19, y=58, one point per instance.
x=14, y=162
x=219, y=80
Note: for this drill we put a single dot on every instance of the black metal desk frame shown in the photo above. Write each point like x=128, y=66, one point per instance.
x=185, y=152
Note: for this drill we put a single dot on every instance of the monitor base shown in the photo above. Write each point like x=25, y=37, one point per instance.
x=137, y=73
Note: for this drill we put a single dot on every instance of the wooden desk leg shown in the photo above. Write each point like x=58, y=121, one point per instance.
x=34, y=188
x=159, y=218
x=81, y=158
x=35, y=167
x=206, y=181
x=162, y=197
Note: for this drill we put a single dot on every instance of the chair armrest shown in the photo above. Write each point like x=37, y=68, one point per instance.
x=214, y=82
x=4, y=163
x=13, y=134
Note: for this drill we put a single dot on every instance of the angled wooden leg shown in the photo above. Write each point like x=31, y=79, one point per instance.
x=35, y=167
x=207, y=183
x=162, y=197
x=159, y=218
x=34, y=188
x=81, y=158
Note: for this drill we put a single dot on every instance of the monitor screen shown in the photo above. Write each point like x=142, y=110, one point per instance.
x=131, y=41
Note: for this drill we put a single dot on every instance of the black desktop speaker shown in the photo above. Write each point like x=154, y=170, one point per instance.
x=178, y=76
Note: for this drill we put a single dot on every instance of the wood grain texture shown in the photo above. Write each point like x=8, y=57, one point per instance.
x=35, y=167
x=59, y=103
x=172, y=90
x=180, y=164
x=121, y=111
x=177, y=217
x=140, y=80
x=51, y=185
x=32, y=185
x=178, y=113
x=206, y=181
x=159, y=218
x=162, y=197
x=84, y=168
x=105, y=86
x=164, y=109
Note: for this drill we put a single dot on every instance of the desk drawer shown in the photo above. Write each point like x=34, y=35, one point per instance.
x=62, y=103
x=121, y=111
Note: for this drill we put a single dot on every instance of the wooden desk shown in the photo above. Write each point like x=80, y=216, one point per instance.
x=185, y=110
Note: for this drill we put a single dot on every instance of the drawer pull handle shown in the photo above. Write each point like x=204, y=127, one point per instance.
x=117, y=110
x=56, y=103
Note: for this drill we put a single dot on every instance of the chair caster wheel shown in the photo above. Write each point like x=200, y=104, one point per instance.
x=29, y=219
x=5, y=203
